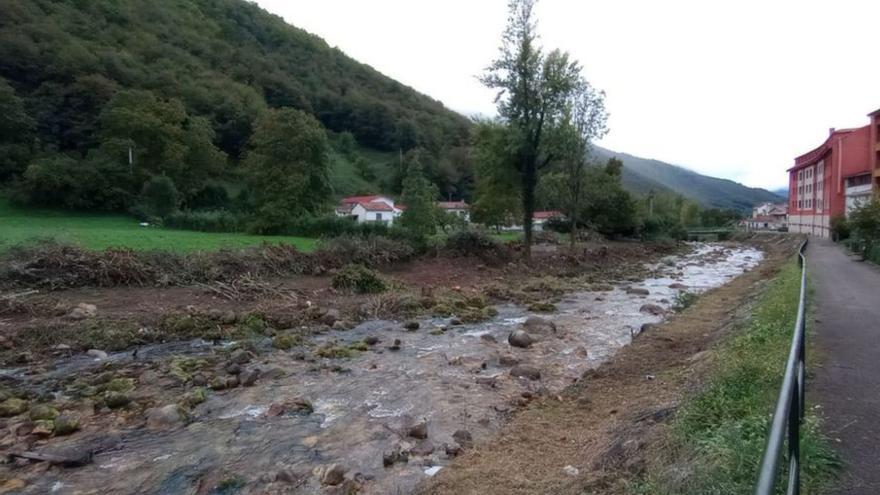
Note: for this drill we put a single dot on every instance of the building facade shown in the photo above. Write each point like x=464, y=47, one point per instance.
x=832, y=179
x=768, y=216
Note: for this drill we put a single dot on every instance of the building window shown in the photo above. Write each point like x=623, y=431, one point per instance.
x=378, y=216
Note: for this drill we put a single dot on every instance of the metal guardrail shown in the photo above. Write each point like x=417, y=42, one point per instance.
x=789, y=413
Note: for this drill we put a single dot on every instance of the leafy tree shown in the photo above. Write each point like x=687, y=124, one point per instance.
x=864, y=221
x=419, y=197
x=93, y=182
x=16, y=129
x=364, y=170
x=286, y=168
x=497, y=197
x=534, y=92
x=159, y=197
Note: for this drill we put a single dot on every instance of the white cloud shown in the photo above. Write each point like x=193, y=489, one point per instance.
x=733, y=89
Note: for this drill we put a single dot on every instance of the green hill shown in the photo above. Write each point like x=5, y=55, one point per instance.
x=641, y=175
x=63, y=61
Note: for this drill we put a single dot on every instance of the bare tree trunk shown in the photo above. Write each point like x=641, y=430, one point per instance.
x=574, y=231
x=529, y=182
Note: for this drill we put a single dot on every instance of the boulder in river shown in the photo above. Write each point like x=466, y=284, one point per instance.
x=165, y=417
x=371, y=340
x=13, y=407
x=424, y=448
x=463, y=438
x=419, y=430
x=249, y=376
x=520, y=338
x=395, y=455
x=525, y=371
x=240, y=356
x=65, y=424
x=678, y=285
x=506, y=360
x=96, y=353
x=411, y=325
x=538, y=325
x=330, y=317
x=332, y=475
x=652, y=309
x=638, y=291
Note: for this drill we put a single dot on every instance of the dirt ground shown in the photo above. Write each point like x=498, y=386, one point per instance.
x=595, y=437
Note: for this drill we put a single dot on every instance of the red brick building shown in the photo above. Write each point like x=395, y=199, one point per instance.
x=830, y=180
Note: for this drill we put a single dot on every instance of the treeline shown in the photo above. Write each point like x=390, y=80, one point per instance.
x=181, y=86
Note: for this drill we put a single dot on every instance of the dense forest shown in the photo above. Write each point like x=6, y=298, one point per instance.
x=181, y=84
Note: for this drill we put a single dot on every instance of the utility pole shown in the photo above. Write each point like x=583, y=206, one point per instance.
x=130, y=162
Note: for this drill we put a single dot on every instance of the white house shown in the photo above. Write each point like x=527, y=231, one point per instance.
x=458, y=208
x=369, y=209
x=768, y=216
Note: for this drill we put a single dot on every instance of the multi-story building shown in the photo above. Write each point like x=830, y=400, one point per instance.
x=831, y=180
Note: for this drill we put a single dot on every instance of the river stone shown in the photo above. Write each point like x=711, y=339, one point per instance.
x=390, y=457
x=538, y=325
x=489, y=381
x=638, y=291
x=332, y=475
x=395, y=346
x=425, y=447
x=525, y=371
x=42, y=411
x=520, y=338
x=463, y=438
x=678, y=285
x=65, y=424
x=115, y=400
x=233, y=368
x=652, y=309
x=506, y=360
x=454, y=322
x=419, y=430
x=452, y=449
x=330, y=317
x=83, y=311
x=411, y=325
x=165, y=418
x=13, y=407
x=240, y=356
x=249, y=376
x=43, y=428
x=371, y=340
x=96, y=353
x=488, y=337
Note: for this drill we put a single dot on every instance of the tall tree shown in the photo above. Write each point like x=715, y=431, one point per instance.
x=419, y=195
x=287, y=168
x=497, y=198
x=534, y=90
x=16, y=132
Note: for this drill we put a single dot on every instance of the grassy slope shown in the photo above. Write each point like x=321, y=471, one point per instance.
x=96, y=231
x=718, y=437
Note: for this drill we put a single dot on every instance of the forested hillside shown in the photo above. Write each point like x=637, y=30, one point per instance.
x=641, y=175
x=181, y=84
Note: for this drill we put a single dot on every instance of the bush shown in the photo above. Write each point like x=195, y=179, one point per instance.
x=476, y=243
x=206, y=221
x=840, y=228
x=333, y=226
x=210, y=197
x=371, y=250
x=359, y=279
x=158, y=197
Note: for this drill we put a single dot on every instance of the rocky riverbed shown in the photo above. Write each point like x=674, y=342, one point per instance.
x=377, y=408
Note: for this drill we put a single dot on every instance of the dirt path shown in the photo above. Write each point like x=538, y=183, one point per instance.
x=846, y=384
x=597, y=435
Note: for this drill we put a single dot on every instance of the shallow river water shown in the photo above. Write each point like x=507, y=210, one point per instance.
x=454, y=381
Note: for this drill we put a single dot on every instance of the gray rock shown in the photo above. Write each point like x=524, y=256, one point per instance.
x=652, y=309
x=390, y=457
x=165, y=417
x=488, y=381
x=525, y=371
x=425, y=447
x=411, y=325
x=240, y=356
x=506, y=360
x=330, y=317
x=463, y=438
x=538, y=325
x=638, y=291
x=452, y=449
x=333, y=475
x=371, y=340
x=678, y=285
x=520, y=338
x=249, y=376
x=419, y=430
x=233, y=368
x=96, y=353
x=83, y=311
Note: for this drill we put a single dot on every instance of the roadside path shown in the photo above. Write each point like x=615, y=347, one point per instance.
x=846, y=299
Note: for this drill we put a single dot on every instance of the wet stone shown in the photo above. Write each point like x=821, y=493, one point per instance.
x=240, y=356
x=249, y=376
x=463, y=438
x=332, y=475
x=411, y=325
x=638, y=291
x=520, y=338
x=488, y=337
x=424, y=448
x=233, y=368
x=395, y=346
x=419, y=430
x=652, y=309
x=506, y=360
x=166, y=417
x=371, y=340
x=96, y=353
x=525, y=371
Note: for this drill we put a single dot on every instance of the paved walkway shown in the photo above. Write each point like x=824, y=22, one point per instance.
x=847, y=381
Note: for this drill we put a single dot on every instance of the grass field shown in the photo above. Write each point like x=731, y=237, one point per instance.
x=98, y=231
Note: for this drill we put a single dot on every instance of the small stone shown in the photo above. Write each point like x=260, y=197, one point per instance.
x=452, y=449
x=43, y=428
x=395, y=346
x=83, y=311
x=42, y=411
x=228, y=318
x=506, y=360
x=249, y=376
x=371, y=340
x=652, y=309
x=638, y=291
x=488, y=337
x=419, y=430
x=330, y=317
x=289, y=476
x=217, y=383
x=61, y=347
x=390, y=457
x=520, y=338
x=411, y=325
x=310, y=441
x=166, y=417
x=678, y=285
x=232, y=381
x=199, y=380
x=463, y=438
x=96, y=353
x=424, y=448
x=455, y=322
x=240, y=356
x=488, y=381
x=525, y=371
x=571, y=470
x=233, y=368
x=333, y=475
x=115, y=400
x=538, y=325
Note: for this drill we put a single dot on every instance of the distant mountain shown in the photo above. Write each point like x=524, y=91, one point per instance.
x=782, y=192
x=641, y=175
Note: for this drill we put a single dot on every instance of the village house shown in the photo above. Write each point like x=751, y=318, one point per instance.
x=375, y=208
x=768, y=216
x=539, y=218
x=832, y=179
x=458, y=208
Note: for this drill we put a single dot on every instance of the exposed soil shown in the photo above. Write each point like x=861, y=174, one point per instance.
x=596, y=436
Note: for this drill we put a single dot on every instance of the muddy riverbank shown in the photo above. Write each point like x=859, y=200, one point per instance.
x=378, y=407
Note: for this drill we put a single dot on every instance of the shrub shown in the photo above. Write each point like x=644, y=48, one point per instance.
x=206, y=221
x=159, y=197
x=210, y=197
x=476, y=243
x=370, y=250
x=359, y=279
x=840, y=228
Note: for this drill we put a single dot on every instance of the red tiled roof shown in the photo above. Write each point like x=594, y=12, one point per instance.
x=360, y=199
x=453, y=205
x=543, y=215
x=377, y=206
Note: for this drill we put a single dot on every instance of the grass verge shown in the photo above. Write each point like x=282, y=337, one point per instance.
x=716, y=442
x=100, y=231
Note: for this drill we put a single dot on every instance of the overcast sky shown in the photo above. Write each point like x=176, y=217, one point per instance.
x=734, y=89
